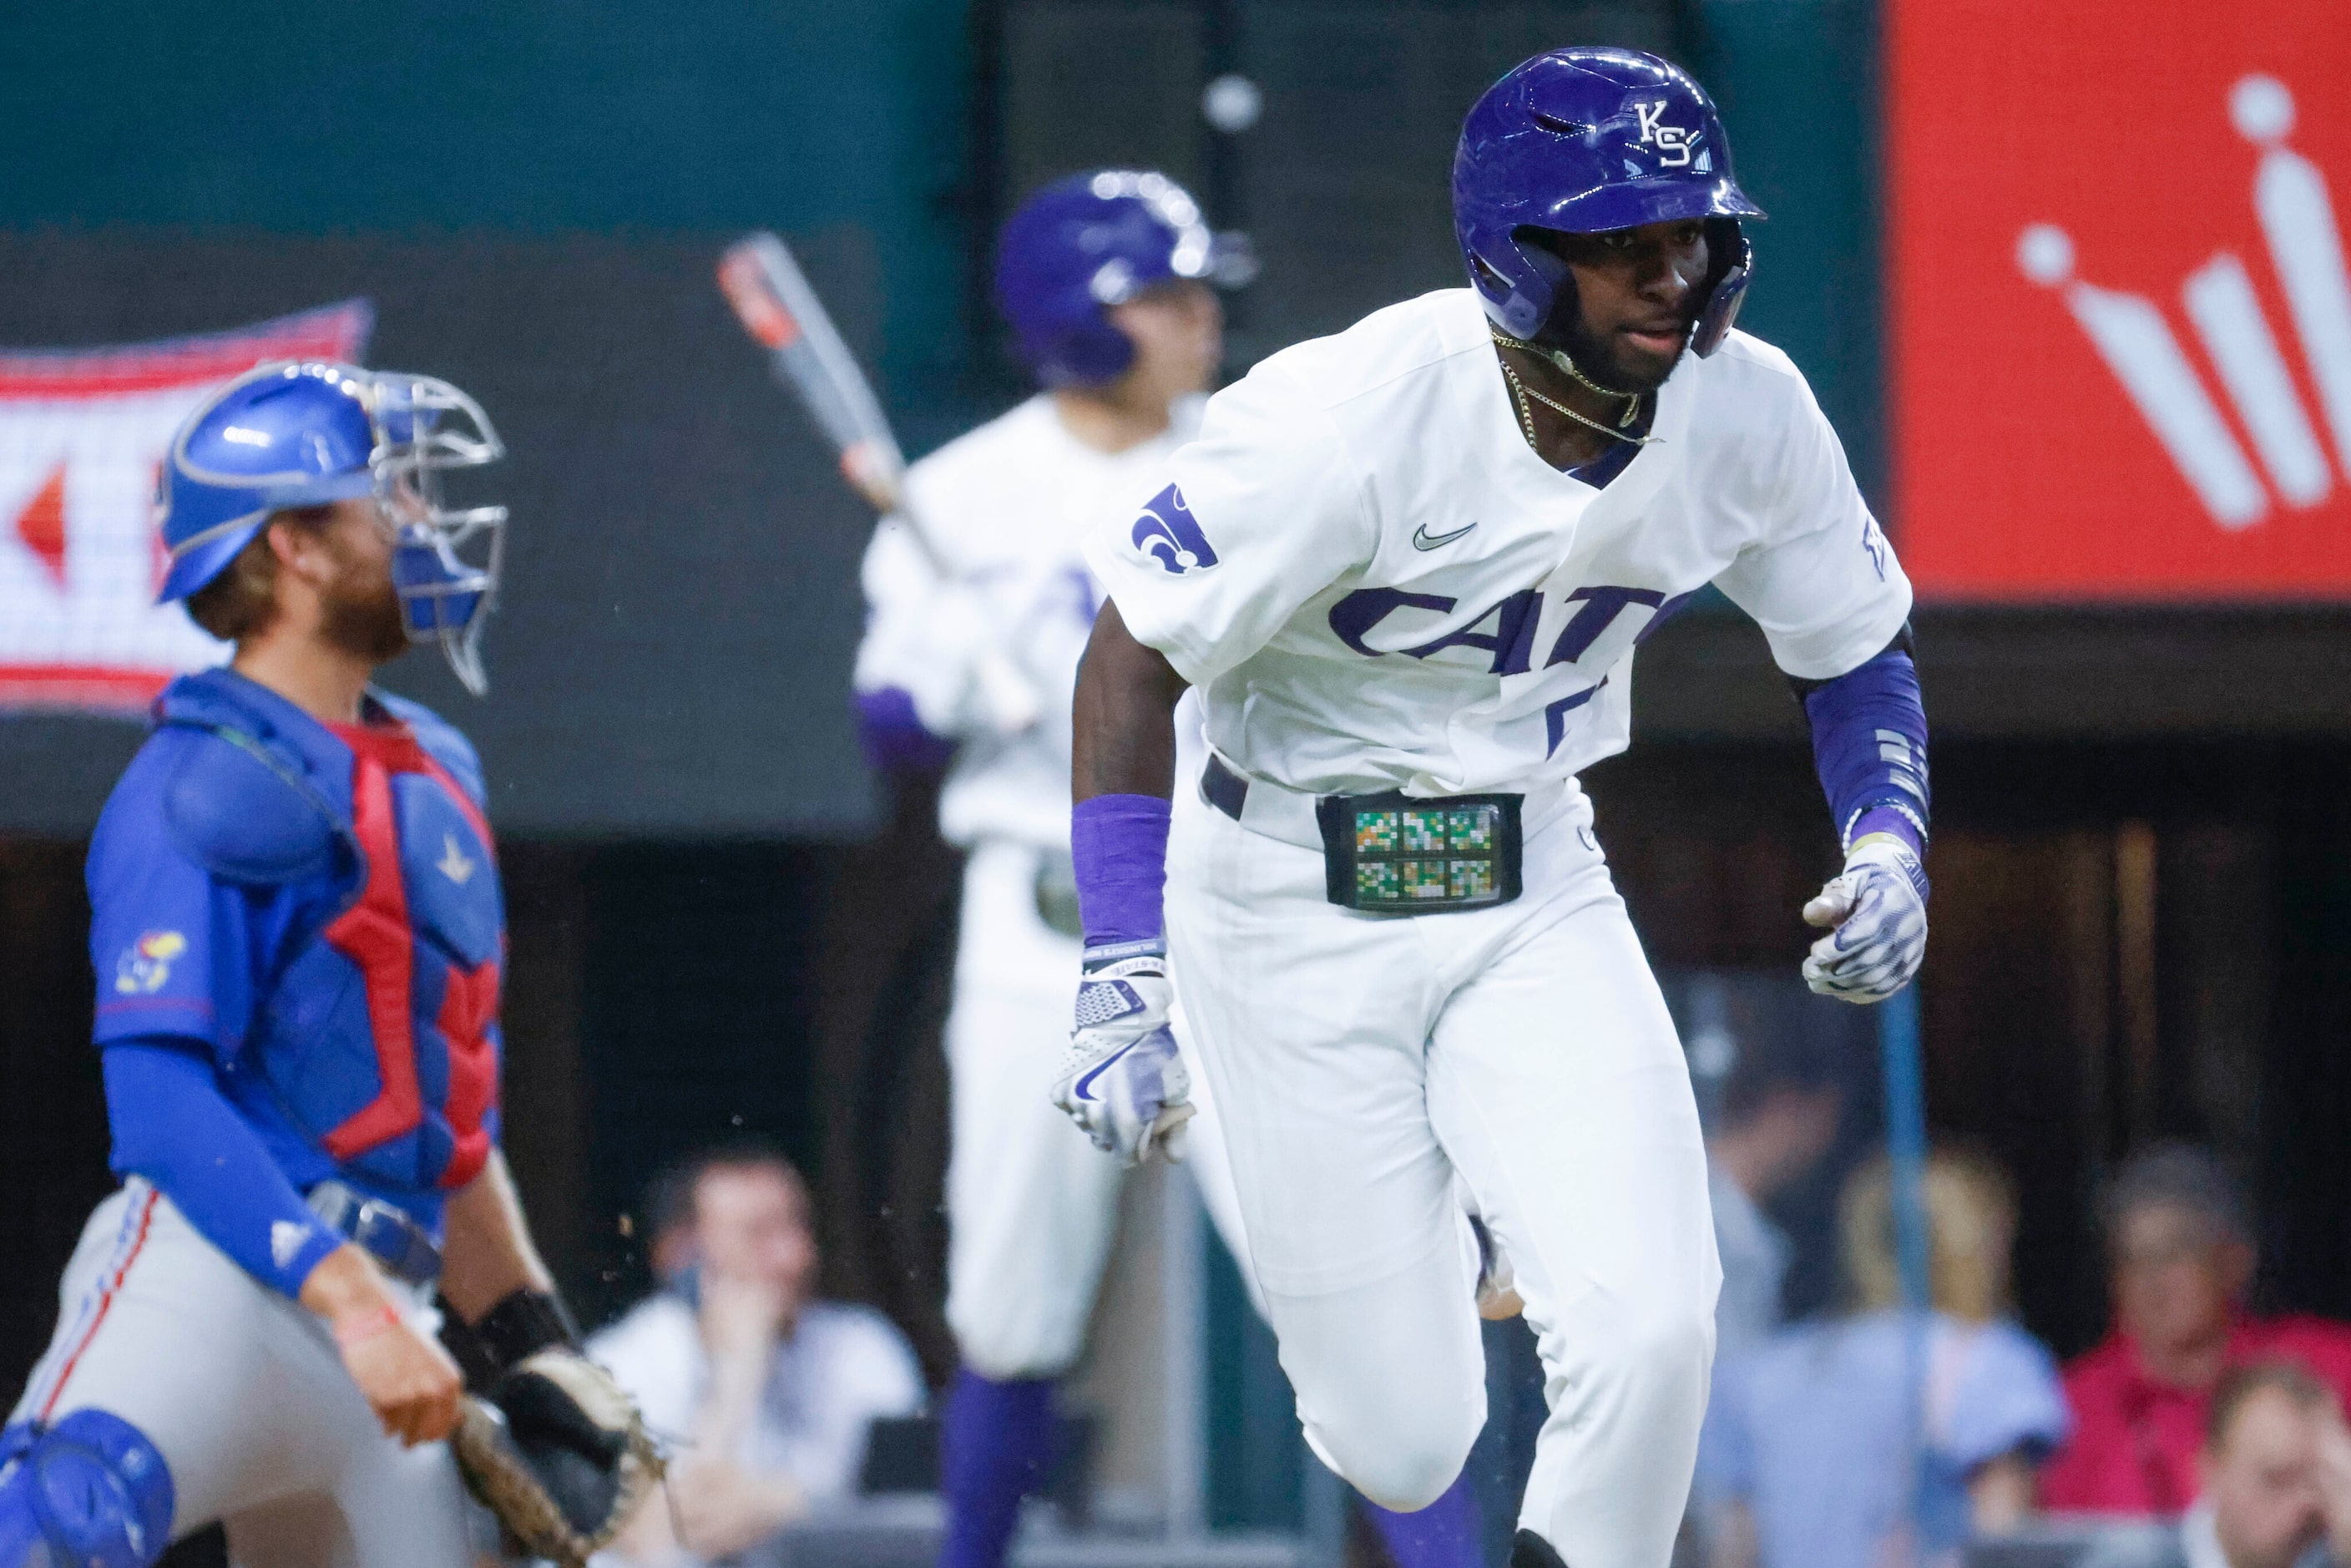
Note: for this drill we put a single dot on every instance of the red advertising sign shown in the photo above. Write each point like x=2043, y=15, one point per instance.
x=2121, y=356
x=83, y=434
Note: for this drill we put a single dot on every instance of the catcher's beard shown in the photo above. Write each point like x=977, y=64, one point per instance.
x=361, y=612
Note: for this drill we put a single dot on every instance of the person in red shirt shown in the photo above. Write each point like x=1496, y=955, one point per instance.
x=2181, y=1237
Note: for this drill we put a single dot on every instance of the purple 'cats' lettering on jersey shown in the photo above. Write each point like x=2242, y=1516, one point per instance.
x=1601, y=608
x=1511, y=639
x=1511, y=642
x=1555, y=714
x=1166, y=533
x=1506, y=630
x=1665, y=612
x=1353, y=617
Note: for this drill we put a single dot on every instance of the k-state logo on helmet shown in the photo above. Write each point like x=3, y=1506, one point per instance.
x=1166, y=533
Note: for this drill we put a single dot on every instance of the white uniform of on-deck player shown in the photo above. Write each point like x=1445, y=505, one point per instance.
x=1030, y=1204
x=1378, y=586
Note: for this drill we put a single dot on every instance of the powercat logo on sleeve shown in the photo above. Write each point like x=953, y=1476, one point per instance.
x=2121, y=318
x=1166, y=534
x=83, y=434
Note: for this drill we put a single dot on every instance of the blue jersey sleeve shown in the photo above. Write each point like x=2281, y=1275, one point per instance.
x=173, y=1126
x=171, y=943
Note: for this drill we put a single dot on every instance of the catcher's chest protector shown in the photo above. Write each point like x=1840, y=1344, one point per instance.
x=370, y=888
x=413, y=967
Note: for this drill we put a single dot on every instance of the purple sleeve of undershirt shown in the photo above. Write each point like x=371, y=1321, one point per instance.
x=1118, y=846
x=1869, y=745
x=892, y=735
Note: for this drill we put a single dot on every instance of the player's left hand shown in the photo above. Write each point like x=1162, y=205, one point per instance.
x=1877, y=909
x=1121, y=1080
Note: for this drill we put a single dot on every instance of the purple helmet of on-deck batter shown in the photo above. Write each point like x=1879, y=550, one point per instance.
x=1585, y=141
x=1086, y=243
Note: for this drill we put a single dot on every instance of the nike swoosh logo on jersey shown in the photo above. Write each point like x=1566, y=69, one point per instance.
x=1422, y=540
x=1079, y=1091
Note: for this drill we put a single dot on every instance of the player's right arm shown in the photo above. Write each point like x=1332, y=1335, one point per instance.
x=173, y=1127
x=1263, y=515
x=1123, y=1081
x=174, y=949
x=407, y=1379
x=1124, y=717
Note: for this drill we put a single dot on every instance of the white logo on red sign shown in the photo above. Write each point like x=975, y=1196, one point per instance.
x=2130, y=333
x=83, y=434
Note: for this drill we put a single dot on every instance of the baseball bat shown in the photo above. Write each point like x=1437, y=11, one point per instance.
x=772, y=299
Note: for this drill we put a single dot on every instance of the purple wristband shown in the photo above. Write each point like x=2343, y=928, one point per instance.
x=1118, y=847
x=1887, y=819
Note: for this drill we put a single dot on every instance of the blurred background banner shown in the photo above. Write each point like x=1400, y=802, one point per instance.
x=82, y=433
x=2120, y=315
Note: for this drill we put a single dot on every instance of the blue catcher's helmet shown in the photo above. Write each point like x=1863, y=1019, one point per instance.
x=1585, y=141
x=1089, y=241
x=291, y=435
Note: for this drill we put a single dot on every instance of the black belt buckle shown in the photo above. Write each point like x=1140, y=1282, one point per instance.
x=1402, y=855
x=381, y=1230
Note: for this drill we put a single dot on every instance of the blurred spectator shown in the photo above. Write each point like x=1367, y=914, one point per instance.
x=1806, y=1457
x=2276, y=1468
x=767, y=1395
x=1778, y=1118
x=2179, y=1240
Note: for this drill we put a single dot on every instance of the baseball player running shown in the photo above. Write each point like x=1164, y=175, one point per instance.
x=298, y=932
x=1404, y=569
x=1105, y=279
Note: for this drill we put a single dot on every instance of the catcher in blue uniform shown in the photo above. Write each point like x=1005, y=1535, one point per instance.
x=299, y=936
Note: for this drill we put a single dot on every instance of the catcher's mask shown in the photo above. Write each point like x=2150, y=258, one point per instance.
x=304, y=433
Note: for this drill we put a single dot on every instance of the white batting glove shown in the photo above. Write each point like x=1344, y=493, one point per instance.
x=1878, y=909
x=1121, y=1080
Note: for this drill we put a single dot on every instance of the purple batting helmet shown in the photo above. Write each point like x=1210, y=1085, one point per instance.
x=1086, y=243
x=1586, y=142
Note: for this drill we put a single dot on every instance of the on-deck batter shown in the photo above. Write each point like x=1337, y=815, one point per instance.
x=1406, y=569
x=1105, y=280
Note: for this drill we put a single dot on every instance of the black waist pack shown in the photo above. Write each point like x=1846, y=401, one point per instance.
x=1400, y=854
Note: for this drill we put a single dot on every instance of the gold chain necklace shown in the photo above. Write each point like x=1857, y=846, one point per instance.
x=1520, y=392
x=1566, y=362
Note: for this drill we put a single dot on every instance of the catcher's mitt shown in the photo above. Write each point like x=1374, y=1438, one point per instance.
x=559, y=1454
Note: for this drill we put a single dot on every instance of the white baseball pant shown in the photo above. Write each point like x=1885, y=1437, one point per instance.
x=1031, y=1203
x=1360, y=1062
x=244, y=1394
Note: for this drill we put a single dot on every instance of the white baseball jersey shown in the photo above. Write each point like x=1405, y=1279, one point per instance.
x=1379, y=585
x=1011, y=499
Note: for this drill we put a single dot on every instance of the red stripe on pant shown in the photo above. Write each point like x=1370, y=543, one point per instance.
x=106, y=1294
